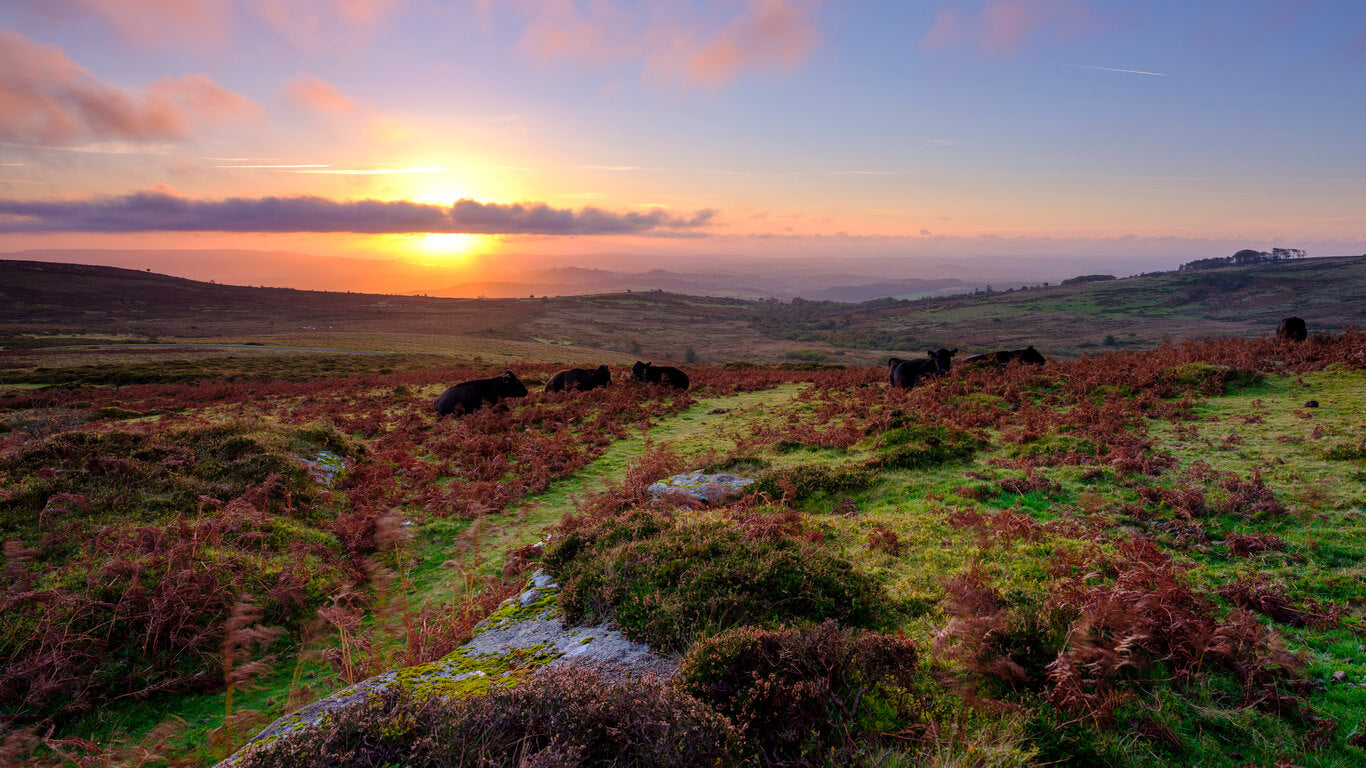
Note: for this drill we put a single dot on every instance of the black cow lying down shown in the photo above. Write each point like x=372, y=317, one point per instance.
x=470, y=396
x=908, y=373
x=667, y=375
x=1002, y=357
x=579, y=378
x=1292, y=329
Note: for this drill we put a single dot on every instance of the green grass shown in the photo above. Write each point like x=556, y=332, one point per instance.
x=709, y=426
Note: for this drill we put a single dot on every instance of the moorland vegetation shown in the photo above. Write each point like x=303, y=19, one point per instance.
x=1136, y=558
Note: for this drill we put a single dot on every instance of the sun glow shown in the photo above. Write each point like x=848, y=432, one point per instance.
x=453, y=249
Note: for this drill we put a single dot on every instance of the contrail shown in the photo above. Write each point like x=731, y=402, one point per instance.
x=1113, y=69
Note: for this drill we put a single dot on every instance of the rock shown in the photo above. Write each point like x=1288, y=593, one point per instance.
x=1311, y=404
x=524, y=636
x=708, y=489
x=325, y=468
x=1339, y=676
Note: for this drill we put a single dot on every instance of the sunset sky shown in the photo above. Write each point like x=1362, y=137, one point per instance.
x=459, y=130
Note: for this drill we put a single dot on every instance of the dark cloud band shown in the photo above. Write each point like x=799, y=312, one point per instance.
x=160, y=212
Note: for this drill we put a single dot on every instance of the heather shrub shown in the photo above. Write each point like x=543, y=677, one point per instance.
x=666, y=582
x=804, y=480
x=126, y=552
x=1211, y=378
x=918, y=446
x=558, y=719
x=797, y=694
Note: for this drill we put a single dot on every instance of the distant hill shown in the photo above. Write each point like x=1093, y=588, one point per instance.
x=571, y=281
x=277, y=269
x=45, y=303
x=285, y=269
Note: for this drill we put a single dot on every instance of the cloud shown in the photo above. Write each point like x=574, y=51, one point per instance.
x=313, y=24
x=558, y=30
x=1002, y=26
x=317, y=95
x=778, y=34
x=763, y=35
x=160, y=210
x=196, y=23
x=46, y=98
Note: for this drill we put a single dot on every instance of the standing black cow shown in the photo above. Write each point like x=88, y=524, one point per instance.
x=667, y=375
x=1028, y=355
x=1292, y=329
x=470, y=396
x=908, y=373
x=579, y=378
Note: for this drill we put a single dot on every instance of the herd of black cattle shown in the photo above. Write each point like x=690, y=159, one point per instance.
x=469, y=396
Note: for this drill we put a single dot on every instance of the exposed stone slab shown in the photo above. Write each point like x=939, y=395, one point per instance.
x=525, y=635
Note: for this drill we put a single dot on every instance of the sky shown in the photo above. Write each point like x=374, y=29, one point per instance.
x=483, y=133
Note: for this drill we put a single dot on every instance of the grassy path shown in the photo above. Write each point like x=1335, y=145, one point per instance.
x=711, y=423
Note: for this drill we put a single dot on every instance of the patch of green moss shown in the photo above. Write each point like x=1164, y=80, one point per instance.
x=513, y=612
x=466, y=673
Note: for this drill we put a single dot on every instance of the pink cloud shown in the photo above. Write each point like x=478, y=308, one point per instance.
x=46, y=98
x=319, y=96
x=766, y=35
x=189, y=23
x=948, y=29
x=1002, y=26
x=315, y=23
x=779, y=34
x=557, y=30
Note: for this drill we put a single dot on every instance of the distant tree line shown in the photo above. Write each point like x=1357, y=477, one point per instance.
x=1244, y=258
x=1079, y=279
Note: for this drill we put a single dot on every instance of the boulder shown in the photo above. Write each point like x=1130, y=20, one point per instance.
x=705, y=488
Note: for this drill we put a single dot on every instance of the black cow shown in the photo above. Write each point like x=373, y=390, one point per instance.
x=1028, y=355
x=908, y=373
x=1292, y=329
x=667, y=375
x=470, y=396
x=579, y=378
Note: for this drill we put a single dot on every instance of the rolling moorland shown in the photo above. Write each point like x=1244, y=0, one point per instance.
x=1141, y=554
x=65, y=308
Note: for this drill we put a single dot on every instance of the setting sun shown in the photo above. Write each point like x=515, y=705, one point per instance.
x=448, y=247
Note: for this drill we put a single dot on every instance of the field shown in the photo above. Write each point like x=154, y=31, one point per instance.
x=1137, y=557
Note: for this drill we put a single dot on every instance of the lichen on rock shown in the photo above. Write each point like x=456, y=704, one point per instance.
x=705, y=488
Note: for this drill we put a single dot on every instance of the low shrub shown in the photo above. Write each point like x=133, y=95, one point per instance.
x=797, y=694
x=920, y=446
x=558, y=719
x=666, y=583
x=1211, y=378
x=802, y=481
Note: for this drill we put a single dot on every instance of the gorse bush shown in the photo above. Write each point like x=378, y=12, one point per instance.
x=796, y=695
x=667, y=582
x=558, y=719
